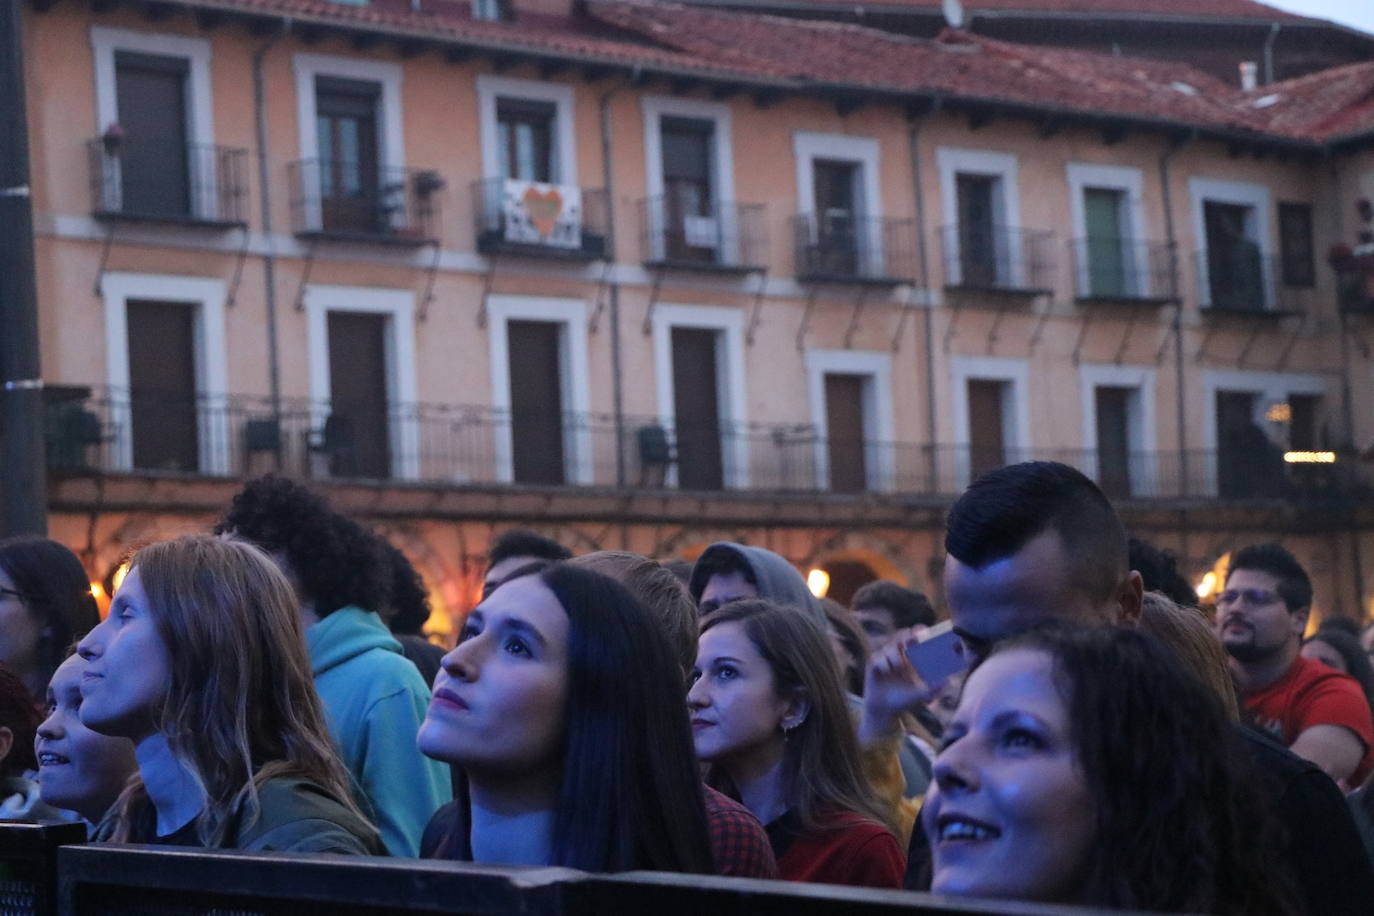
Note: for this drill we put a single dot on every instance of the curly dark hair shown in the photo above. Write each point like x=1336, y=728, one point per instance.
x=19, y=714
x=1159, y=569
x=336, y=561
x=1181, y=827
x=409, y=605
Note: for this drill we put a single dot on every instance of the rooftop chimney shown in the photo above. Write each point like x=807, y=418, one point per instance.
x=1249, y=75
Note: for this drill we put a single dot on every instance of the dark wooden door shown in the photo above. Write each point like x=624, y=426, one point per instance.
x=536, y=401
x=978, y=261
x=1114, y=441
x=162, y=386
x=358, y=432
x=1241, y=445
x=526, y=137
x=346, y=128
x=150, y=92
x=839, y=237
x=696, y=409
x=688, y=186
x=1234, y=269
x=845, y=443
x=1103, y=209
x=987, y=445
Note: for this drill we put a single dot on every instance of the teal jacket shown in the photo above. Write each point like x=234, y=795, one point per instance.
x=375, y=700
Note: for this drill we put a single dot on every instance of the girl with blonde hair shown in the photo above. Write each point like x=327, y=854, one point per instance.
x=202, y=665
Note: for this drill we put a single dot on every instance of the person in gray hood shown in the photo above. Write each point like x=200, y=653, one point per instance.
x=727, y=572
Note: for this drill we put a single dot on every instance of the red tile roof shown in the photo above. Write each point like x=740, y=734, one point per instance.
x=1190, y=9
x=819, y=56
x=1329, y=105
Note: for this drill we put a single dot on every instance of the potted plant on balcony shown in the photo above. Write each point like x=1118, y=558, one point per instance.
x=428, y=183
x=113, y=139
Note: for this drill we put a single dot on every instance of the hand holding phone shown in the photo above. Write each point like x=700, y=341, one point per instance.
x=938, y=655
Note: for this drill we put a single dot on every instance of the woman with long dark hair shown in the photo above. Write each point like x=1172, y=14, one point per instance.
x=45, y=606
x=202, y=664
x=770, y=718
x=1089, y=766
x=562, y=706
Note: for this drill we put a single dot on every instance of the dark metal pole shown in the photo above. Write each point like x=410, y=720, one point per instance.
x=23, y=483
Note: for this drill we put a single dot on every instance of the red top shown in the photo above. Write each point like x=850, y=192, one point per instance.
x=1312, y=693
x=738, y=841
x=853, y=851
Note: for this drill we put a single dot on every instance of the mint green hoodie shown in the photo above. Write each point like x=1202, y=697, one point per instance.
x=375, y=700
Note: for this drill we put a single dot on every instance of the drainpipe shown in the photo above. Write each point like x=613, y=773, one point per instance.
x=269, y=260
x=1171, y=239
x=1347, y=405
x=913, y=134
x=1269, y=52
x=617, y=377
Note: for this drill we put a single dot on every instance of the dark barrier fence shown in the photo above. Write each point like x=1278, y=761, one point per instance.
x=120, y=880
x=28, y=865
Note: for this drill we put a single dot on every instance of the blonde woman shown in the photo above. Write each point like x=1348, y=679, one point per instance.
x=202, y=665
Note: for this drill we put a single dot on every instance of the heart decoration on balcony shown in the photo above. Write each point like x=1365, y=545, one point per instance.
x=543, y=208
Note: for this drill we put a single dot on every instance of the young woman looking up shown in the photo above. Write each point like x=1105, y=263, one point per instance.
x=78, y=769
x=202, y=665
x=1089, y=766
x=770, y=718
x=562, y=705
x=45, y=606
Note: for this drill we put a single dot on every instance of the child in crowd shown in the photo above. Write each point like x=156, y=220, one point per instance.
x=202, y=665
x=562, y=705
x=79, y=769
x=1089, y=766
x=770, y=718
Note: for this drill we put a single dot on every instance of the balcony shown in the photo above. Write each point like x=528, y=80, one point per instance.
x=838, y=247
x=1240, y=280
x=1114, y=270
x=540, y=220
x=442, y=445
x=348, y=201
x=998, y=259
x=729, y=237
x=1355, y=289
x=159, y=182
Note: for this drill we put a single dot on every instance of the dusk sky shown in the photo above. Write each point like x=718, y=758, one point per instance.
x=1356, y=13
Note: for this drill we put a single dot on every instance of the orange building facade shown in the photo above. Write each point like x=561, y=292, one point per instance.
x=608, y=270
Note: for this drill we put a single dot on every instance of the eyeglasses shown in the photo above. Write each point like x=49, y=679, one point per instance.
x=1254, y=597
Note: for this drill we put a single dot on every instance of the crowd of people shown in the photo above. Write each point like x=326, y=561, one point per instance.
x=267, y=686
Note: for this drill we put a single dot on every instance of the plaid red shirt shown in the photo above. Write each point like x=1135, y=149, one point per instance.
x=738, y=840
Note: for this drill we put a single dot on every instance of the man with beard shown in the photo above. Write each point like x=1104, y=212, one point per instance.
x=1318, y=712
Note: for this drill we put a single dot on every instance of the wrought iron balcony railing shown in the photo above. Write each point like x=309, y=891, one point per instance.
x=1238, y=278
x=347, y=200
x=1123, y=270
x=722, y=235
x=841, y=247
x=983, y=256
x=526, y=217
x=165, y=433
x=151, y=180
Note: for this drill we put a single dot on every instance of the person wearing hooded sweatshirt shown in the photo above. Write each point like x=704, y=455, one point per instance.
x=374, y=697
x=728, y=572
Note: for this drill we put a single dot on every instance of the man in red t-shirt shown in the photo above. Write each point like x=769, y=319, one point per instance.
x=1320, y=713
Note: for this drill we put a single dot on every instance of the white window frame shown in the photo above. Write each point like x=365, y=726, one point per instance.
x=399, y=306
x=1016, y=423
x=205, y=296
x=951, y=162
x=655, y=108
x=1270, y=387
x=866, y=153
x=491, y=88
x=390, y=133
x=730, y=379
x=571, y=316
x=1141, y=434
x=200, y=117
x=1259, y=229
x=879, y=437
x=1129, y=181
